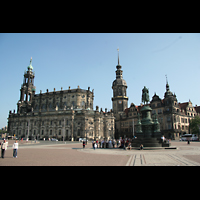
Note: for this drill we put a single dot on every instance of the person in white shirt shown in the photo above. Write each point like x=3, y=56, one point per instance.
x=4, y=146
x=95, y=146
x=15, y=148
x=163, y=138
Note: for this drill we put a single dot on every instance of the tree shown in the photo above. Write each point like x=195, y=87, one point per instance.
x=194, y=125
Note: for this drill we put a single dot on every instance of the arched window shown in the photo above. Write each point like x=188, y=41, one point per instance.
x=83, y=104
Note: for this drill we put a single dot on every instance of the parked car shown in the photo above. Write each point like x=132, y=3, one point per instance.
x=82, y=139
x=191, y=137
x=54, y=139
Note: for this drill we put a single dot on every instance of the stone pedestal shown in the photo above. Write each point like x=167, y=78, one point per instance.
x=147, y=130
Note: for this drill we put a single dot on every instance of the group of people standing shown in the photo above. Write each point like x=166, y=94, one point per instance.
x=103, y=144
x=4, y=146
x=120, y=143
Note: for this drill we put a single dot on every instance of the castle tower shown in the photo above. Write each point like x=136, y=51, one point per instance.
x=27, y=91
x=119, y=86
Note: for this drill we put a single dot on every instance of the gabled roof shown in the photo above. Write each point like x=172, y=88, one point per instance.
x=183, y=106
x=155, y=98
x=197, y=108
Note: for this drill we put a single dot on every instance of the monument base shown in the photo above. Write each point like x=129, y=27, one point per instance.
x=146, y=142
x=149, y=142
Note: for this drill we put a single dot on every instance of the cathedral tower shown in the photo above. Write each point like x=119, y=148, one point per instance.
x=119, y=86
x=27, y=91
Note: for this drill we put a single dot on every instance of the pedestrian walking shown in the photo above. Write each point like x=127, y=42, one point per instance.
x=4, y=146
x=15, y=148
x=83, y=144
x=119, y=143
x=141, y=147
x=163, y=138
x=110, y=144
x=129, y=146
x=113, y=143
x=95, y=146
x=102, y=143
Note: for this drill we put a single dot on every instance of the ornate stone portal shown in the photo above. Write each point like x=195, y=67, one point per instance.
x=148, y=129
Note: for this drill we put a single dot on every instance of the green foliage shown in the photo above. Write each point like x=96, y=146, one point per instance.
x=194, y=125
x=2, y=131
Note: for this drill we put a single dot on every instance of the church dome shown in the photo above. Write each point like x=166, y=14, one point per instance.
x=119, y=81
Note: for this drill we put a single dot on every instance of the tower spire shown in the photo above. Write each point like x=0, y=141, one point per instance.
x=167, y=85
x=30, y=67
x=166, y=79
x=118, y=55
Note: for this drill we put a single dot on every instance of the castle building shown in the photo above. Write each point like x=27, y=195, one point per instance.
x=65, y=114
x=174, y=117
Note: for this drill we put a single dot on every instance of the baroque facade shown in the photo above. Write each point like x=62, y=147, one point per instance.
x=65, y=114
x=174, y=117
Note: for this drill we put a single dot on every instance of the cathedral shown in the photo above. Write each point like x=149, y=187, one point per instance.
x=65, y=114
x=174, y=117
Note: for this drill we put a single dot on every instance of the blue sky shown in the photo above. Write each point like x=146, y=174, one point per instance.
x=90, y=59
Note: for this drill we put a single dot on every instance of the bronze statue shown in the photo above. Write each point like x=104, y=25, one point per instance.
x=145, y=95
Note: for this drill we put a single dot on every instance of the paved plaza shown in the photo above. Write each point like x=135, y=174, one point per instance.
x=48, y=153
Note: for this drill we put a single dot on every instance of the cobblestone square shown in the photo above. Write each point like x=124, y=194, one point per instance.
x=72, y=154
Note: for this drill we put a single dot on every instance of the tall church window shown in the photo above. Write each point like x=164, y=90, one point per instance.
x=43, y=106
x=83, y=104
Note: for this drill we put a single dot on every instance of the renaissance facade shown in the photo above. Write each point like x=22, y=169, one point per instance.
x=65, y=114
x=174, y=117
